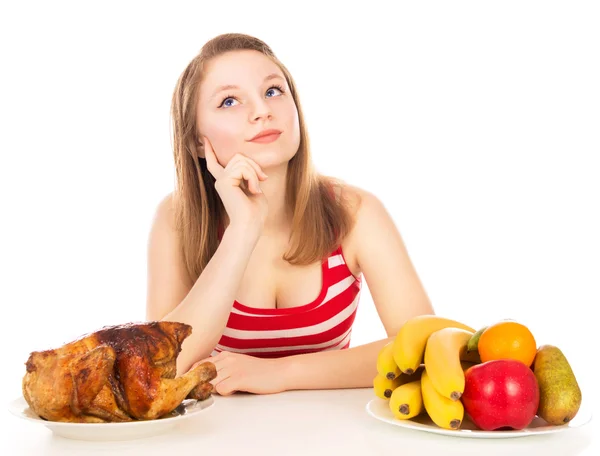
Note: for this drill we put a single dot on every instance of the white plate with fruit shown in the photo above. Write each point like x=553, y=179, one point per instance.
x=379, y=409
x=442, y=376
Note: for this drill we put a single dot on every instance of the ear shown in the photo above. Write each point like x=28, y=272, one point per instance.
x=200, y=147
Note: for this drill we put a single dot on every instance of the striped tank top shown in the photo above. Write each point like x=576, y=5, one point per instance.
x=324, y=324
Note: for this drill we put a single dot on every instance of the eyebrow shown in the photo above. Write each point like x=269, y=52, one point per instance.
x=231, y=87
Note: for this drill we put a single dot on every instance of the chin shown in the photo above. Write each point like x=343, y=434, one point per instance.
x=271, y=158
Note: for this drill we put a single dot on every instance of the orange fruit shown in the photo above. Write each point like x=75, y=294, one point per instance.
x=507, y=340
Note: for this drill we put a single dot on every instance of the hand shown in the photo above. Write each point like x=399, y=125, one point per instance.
x=237, y=372
x=238, y=186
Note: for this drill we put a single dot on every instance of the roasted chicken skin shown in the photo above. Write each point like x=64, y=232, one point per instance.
x=118, y=373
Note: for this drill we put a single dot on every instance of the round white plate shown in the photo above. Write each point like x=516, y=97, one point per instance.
x=113, y=431
x=379, y=409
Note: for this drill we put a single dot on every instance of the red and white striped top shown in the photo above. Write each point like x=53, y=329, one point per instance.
x=324, y=324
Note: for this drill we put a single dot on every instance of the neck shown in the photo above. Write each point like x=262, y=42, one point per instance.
x=274, y=189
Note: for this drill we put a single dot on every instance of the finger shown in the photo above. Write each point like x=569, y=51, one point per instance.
x=221, y=361
x=223, y=375
x=213, y=359
x=243, y=171
x=237, y=158
x=253, y=185
x=226, y=387
x=212, y=163
x=233, y=161
x=259, y=172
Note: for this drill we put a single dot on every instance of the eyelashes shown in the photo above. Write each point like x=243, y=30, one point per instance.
x=227, y=97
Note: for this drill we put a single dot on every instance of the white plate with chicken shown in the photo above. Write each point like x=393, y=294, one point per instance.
x=117, y=383
x=127, y=430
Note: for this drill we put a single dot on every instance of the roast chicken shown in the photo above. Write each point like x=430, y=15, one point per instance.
x=117, y=374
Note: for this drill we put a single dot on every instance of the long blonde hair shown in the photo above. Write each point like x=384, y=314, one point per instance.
x=320, y=220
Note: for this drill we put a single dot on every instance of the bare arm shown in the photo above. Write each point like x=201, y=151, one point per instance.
x=394, y=284
x=205, y=304
x=354, y=367
x=397, y=293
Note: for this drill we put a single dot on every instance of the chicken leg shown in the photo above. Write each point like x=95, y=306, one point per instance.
x=171, y=392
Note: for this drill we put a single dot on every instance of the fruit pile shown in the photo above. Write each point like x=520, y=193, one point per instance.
x=496, y=375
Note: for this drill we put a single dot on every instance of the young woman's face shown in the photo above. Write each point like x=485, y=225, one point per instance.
x=242, y=94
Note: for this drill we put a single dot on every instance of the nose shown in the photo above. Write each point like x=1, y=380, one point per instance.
x=261, y=110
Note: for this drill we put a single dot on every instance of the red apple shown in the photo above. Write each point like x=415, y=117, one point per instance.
x=502, y=393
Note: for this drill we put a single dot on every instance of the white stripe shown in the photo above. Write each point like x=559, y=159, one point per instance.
x=246, y=314
x=332, y=292
x=340, y=345
x=335, y=260
x=338, y=288
x=339, y=341
x=295, y=332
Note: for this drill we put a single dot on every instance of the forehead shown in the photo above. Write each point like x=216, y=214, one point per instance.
x=240, y=68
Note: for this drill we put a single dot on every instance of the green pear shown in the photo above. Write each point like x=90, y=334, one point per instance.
x=560, y=395
x=474, y=340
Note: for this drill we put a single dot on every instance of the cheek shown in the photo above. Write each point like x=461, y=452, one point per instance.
x=292, y=124
x=224, y=137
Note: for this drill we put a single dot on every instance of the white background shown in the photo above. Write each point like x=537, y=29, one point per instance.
x=476, y=123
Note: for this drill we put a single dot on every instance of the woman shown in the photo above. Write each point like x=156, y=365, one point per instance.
x=260, y=254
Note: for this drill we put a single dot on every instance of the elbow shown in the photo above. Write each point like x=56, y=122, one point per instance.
x=157, y=313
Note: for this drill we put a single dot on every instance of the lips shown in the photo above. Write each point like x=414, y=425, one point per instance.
x=266, y=135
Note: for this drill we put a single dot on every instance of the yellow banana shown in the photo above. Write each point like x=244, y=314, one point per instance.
x=409, y=344
x=444, y=412
x=406, y=401
x=386, y=366
x=384, y=387
x=442, y=361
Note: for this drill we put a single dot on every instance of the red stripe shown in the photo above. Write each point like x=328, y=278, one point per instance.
x=318, y=338
x=297, y=317
x=281, y=354
x=337, y=273
x=312, y=317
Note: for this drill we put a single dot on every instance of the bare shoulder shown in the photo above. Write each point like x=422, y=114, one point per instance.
x=367, y=211
x=375, y=247
x=163, y=231
x=164, y=214
x=363, y=205
x=168, y=281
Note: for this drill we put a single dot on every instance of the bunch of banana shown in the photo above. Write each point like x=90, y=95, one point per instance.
x=410, y=342
x=389, y=377
x=403, y=393
x=424, y=369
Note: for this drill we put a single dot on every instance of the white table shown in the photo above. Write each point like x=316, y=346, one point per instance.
x=332, y=422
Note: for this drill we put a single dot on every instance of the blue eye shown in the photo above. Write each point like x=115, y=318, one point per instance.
x=225, y=103
x=229, y=99
x=275, y=87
